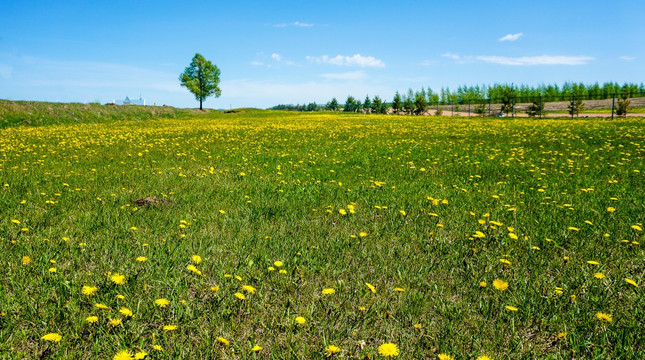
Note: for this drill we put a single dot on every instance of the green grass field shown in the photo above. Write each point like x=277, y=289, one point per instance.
x=447, y=237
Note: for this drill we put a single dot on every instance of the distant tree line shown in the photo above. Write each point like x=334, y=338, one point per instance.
x=418, y=102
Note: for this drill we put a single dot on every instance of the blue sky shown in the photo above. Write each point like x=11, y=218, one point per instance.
x=272, y=52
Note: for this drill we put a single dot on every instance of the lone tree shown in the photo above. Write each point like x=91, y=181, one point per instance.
x=201, y=77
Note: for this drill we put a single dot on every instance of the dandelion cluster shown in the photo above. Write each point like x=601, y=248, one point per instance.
x=357, y=236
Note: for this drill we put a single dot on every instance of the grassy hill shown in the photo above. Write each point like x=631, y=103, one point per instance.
x=33, y=113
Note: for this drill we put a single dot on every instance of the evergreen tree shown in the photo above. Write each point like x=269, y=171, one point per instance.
x=367, y=104
x=396, y=103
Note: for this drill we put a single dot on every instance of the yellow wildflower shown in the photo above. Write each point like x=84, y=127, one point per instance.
x=500, y=284
x=388, y=350
x=603, y=316
x=53, y=337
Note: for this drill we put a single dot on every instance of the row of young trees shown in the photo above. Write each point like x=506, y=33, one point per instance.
x=419, y=102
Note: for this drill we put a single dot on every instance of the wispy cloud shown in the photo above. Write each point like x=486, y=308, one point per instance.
x=511, y=37
x=536, y=60
x=296, y=24
x=627, y=58
x=272, y=92
x=36, y=72
x=257, y=63
x=355, y=60
x=354, y=75
x=451, y=56
x=276, y=57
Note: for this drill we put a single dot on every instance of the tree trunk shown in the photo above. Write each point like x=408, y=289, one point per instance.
x=200, y=104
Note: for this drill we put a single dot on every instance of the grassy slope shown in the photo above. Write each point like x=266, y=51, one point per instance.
x=280, y=181
x=32, y=113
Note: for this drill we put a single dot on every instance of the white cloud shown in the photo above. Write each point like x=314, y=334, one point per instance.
x=270, y=92
x=296, y=24
x=627, y=58
x=511, y=37
x=257, y=63
x=451, y=56
x=354, y=75
x=354, y=60
x=537, y=60
x=276, y=57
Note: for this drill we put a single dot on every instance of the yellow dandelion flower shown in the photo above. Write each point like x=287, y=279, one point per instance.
x=53, y=337
x=157, y=347
x=282, y=271
x=301, y=320
x=445, y=357
x=52, y=270
x=101, y=306
x=402, y=212
x=603, y=316
x=271, y=268
x=193, y=269
x=26, y=260
x=511, y=308
x=328, y=291
x=120, y=297
x=117, y=278
x=240, y=296
x=92, y=319
x=573, y=228
x=123, y=355
x=417, y=326
x=278, y=263
x=332, y=350
x=362, y=234
x=140, y=355
x=170, y=327
x=388, y=350
x=483, y=284
x=142, y=259
x=162, y=302
x=248, y=288
x=126, y=312
x=223, y=341
x=483, y=357
x=256, y=348
x=500, y=284
x=196, y=259
x=504, y=261
x=599, y=275
x=398, y=289
x=115, y=322
x=562, y=335
x=371, y=287
x=631, y=282
x=611, y=209
x=591, y=262
x=637, y=228
x=512, y=236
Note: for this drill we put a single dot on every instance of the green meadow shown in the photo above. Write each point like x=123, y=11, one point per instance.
x=280, y=235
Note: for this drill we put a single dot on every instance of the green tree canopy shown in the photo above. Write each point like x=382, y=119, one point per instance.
x=201, y=78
